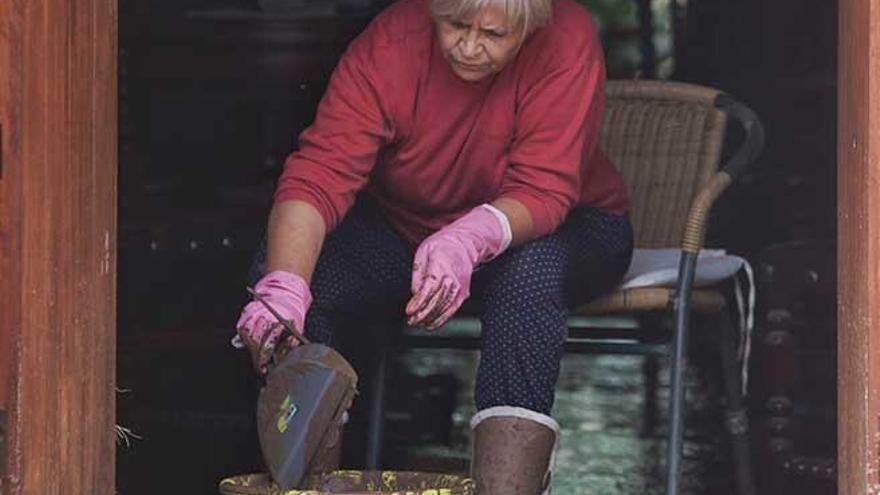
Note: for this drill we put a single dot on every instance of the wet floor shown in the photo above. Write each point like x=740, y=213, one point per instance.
x=197, y=427
x=604, y=448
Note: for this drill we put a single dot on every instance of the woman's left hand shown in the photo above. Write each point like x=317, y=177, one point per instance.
x=441, y=281
x=445, y=261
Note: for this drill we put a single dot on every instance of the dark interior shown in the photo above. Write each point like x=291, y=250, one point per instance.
x=212, y=94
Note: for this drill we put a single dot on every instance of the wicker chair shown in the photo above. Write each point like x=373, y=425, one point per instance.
x=666, y=139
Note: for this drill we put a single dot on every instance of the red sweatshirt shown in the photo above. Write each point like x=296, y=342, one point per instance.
x=430, y=146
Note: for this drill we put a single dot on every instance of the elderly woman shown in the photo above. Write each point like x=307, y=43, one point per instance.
x=454, y=155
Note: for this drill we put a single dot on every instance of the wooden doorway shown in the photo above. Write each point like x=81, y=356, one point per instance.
x=858, y=289
x=58, y=235
x=58, y=244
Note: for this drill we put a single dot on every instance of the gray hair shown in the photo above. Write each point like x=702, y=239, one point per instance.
x=525, y=15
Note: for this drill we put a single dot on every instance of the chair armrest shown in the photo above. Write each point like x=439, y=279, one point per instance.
x=753, y=143
x=695, y=228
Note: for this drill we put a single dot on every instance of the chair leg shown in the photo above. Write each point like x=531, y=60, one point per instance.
x=676, y=378
x=737, y=421
x=675, y=437
x=650, y=369
x=375, y=425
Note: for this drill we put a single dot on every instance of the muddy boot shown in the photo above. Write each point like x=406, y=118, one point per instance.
x=513, y=451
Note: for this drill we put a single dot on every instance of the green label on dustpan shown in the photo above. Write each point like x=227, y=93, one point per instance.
x=287, y=411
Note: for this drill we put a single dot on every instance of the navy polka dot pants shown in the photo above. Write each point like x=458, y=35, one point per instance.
x=523, y=296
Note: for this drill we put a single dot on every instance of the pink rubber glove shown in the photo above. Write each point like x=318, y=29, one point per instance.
x=290, y=296
x=444, y=262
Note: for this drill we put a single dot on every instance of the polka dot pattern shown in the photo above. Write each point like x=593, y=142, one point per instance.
x=363, y=273
x=523, y=296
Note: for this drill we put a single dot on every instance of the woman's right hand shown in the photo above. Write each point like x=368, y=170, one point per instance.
x=260, y=331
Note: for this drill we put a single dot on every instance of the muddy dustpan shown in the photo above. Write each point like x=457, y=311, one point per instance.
x=299, y=410
x=355, y=483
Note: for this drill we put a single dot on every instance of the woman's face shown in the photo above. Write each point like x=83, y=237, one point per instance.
x=478, y=46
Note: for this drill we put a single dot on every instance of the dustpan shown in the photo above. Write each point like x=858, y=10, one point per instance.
x=301, y=407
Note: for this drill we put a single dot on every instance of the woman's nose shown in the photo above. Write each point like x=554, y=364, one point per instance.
x=469, y=45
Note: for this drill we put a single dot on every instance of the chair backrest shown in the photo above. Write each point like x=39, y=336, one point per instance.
x=665, y=139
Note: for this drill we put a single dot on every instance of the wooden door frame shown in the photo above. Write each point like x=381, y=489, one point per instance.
x=858, y=176
x=58, y=244
x=57, y=248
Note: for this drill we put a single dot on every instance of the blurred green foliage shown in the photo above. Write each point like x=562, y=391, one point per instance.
x=613, y=14
x=618, y=22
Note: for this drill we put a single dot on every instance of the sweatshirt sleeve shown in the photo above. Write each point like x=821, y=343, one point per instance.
x=338, y=151
x=558, y=124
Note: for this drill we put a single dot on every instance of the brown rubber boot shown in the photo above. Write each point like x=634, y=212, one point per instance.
x=513, y=451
